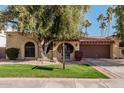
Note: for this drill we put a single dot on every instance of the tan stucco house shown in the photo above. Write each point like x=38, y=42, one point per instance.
x=85, y=47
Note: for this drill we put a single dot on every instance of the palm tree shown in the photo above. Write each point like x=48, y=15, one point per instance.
x=86, y=24
x=109, y=18
x=101, y=19
x=102, y=26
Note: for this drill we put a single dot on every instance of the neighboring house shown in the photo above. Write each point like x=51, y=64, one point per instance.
x=87, y=47
x=2, y=45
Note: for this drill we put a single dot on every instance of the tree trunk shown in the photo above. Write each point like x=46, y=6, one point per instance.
x=105, y=32
x=46, y=46
x=101, y=28
x=108, y=28
x=101, y=32
x=43, y=56
x=86, y=31
x=63, y=45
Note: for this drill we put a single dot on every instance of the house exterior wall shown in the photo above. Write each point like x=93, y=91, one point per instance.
x=17, y=40
x=115, y=50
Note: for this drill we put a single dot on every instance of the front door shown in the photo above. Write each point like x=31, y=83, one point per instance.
x=67, y=52
x=29, y=50
x=68, y=48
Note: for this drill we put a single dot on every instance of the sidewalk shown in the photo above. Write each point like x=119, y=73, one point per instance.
x=60, y=83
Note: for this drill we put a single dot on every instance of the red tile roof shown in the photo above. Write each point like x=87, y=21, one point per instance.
x=96, y=40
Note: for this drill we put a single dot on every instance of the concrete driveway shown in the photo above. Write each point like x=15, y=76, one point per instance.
x=60, y=83
x=114, y=68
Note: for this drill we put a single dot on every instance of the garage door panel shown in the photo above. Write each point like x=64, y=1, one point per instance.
x=95, y=51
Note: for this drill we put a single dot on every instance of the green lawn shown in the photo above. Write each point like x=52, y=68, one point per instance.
x=71, y=71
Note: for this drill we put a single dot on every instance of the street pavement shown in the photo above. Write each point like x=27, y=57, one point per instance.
x=60, y=83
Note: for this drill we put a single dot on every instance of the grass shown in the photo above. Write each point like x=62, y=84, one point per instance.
x=71, y=71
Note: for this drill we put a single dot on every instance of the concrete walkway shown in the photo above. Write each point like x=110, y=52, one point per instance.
x=114, y=68
x=60, y=83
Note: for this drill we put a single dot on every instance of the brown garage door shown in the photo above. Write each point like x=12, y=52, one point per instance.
x=2, y=53
x=95, y=51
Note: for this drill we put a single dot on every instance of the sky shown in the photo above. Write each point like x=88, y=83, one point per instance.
x=92, y=15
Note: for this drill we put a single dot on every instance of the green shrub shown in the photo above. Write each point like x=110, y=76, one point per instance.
x=12, y=53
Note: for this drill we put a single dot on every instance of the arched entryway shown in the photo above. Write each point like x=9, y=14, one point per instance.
x=29, y=50
x=68, y=50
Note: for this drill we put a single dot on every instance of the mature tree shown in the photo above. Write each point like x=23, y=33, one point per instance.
x=69, y=18
x=86, y=24
x=109, y=18
x=101, y=19
x=48, y=23
x=119, y=14
x=1, y=25
x=2, y=22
